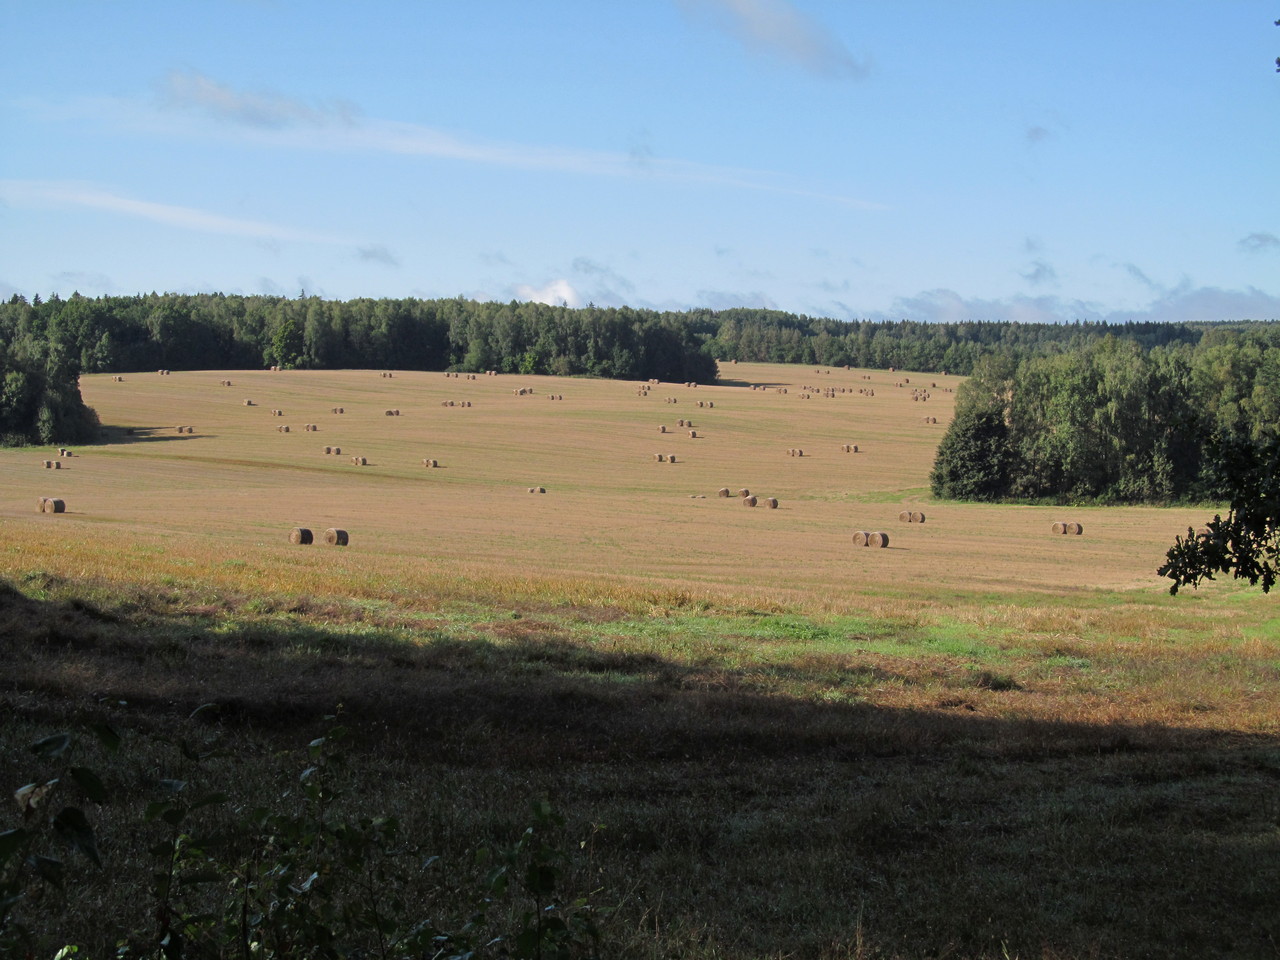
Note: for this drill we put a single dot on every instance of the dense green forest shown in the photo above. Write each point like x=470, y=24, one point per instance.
x=1111, y=421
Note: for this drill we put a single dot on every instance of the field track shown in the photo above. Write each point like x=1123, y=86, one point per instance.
x=234, y=487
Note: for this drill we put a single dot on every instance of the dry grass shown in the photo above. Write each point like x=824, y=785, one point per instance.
x=779, y=733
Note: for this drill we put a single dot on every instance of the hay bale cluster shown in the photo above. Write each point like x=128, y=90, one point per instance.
x=1068, y=528
x=334, y=536
x=537, y=489
x=392, y=413
x=849, y=448
x=911, y=516
x=795, y=452
x=51, y=505
x=430, y=463
x=867, y=538
x=337, y=410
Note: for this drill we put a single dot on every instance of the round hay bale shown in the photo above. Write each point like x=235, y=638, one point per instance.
x=917, y=517
x=40, y=504
x=1059, y=527
x=248, y=403
x=300, y=535
x=855, y=448
x=387, y=413
x=336, y=537
x=671, y=458
x=532, y=490
x=662, y=429
x=749, y=501
x=660, y=457
x=723, y=492
x=542, y=489
x=337, y=451
x=55, y=505
x=771, y=503
x=904, y=517
x=860, y=538
x=878, y=539
x=693, y=434
x=711, y=403
x=744, y=492
x=328, y=450
x=57, y=464
x=364, y=461
x=48, y=464
x=1075, y=529
x=285, y=428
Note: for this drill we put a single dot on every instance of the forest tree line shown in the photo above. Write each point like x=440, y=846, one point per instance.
x=46, y=344
x=1110, y=421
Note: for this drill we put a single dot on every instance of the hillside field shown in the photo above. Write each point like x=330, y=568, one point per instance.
x=237, y=485
x=985, y=740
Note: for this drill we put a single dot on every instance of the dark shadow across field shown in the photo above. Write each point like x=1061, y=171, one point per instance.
x=765, y=824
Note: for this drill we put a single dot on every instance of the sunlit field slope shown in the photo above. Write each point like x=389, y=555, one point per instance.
x=234, y=488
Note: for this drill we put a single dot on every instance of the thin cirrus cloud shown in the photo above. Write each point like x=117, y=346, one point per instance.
x=377, y=253
x=61, y=194
x=290, y=123
x=189, y=89
x=1259, y=243
x=776, y=29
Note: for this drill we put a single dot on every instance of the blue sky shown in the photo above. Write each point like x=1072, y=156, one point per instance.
x=928, y=159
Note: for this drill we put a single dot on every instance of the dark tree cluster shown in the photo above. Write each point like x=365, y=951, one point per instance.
x=770, y=336
x=1112, y=422
x=40, y=398
x=215, y=331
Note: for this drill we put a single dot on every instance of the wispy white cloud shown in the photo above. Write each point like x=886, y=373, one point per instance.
x=87, y=283
x=288, y=124
x=613, y=281
x=377, y=253
x=727, y=299
x=1185, y=303
x=1259, y=243
x=554, y=292
x=191, y=90
x=777, y=29
x=46, y=194
x=1038, y=272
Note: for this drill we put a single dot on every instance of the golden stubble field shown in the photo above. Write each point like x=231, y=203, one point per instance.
x=231, y=491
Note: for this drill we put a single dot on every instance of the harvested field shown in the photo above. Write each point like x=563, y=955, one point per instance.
x=222, y=484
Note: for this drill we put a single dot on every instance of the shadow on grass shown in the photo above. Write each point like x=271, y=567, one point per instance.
x=551, y=698
x=112, y=435
x=736, y=820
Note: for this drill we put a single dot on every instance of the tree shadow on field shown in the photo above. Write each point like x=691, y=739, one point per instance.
x=112, y=435
x=941, y=830
x=723, y=382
